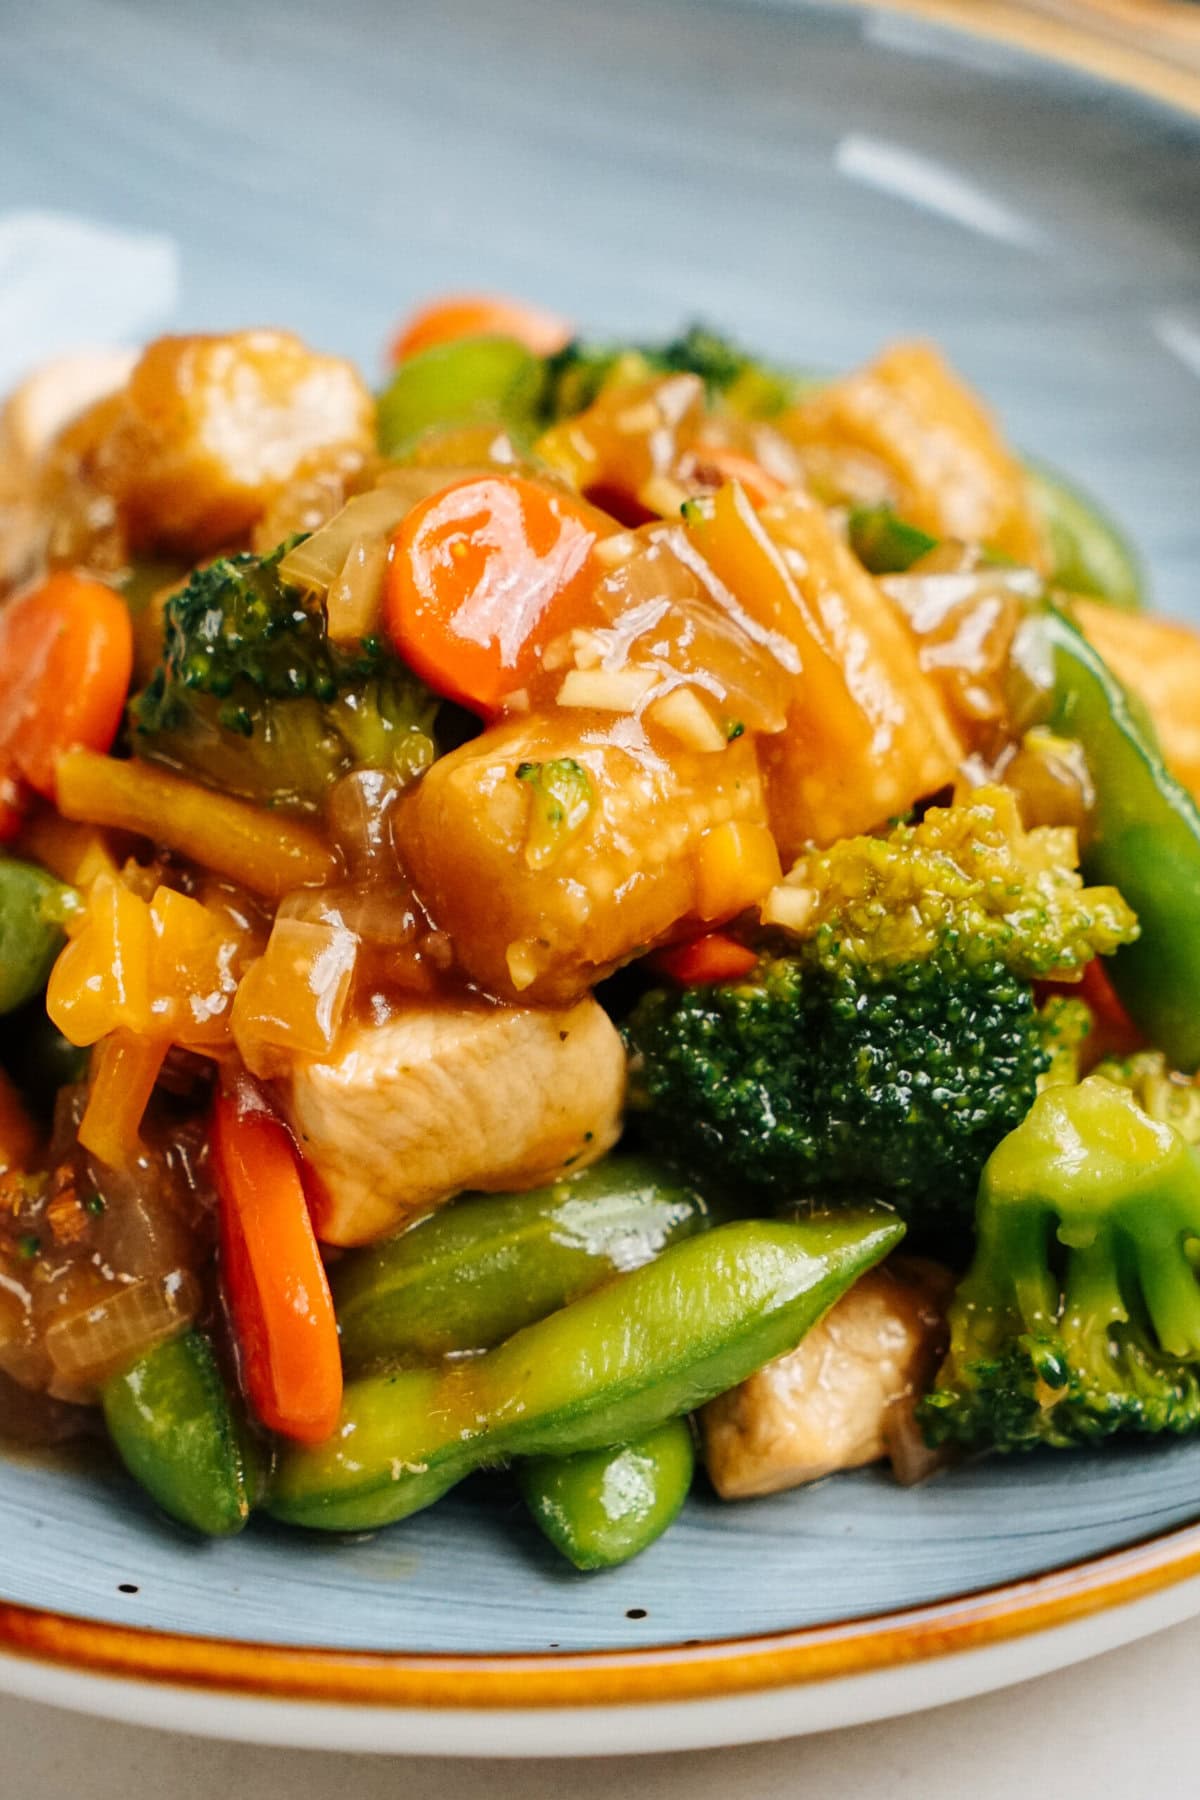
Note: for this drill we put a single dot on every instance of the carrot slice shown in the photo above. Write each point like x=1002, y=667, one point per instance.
x=275, y=1281
x=480, y=315
x=66, y=656
x=480, y=578
x=714, y=957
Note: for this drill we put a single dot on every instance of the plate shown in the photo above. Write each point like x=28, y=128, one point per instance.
x=818, y=178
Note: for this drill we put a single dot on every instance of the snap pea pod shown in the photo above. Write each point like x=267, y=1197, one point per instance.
x=1090, y=556
x=602, y=1507
x=884, y=543
x=651, y=1345
x=33, y=906
x=473, y=381
x=1143, y=835
x=175, y=1429
x=489, y=1264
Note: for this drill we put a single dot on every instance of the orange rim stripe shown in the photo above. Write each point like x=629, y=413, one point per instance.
x=1054, y=39
x=605, y=1678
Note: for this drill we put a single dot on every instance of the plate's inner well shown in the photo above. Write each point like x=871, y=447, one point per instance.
x=815, y=182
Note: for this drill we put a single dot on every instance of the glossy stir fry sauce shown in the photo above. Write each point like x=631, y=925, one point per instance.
x=518, y=893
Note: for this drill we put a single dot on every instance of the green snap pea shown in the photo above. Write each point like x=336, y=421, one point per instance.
x=1143, y=835
x=173, y=1424
x=489, y=1264
x=1090, y=554
x=884, y=543
x=602, y=1507
x=473, y=381
x=650, y=1346
x=33, y=906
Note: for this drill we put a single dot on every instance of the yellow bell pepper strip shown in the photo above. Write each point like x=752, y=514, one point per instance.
x=263, y=851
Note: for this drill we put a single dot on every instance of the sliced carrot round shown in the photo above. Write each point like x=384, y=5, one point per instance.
x=480, y=315
x=66, y=656
x=481, y=577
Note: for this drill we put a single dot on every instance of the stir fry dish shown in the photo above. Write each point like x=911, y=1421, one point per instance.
x=604, y=908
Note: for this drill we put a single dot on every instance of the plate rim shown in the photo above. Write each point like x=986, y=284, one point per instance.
x=143, y=1658
x=497, y=1682
x=1053, y=40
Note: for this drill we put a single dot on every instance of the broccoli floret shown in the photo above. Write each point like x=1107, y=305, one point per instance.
x=576, y=374
x=1080, y=1314
x=890, y=1042
x=1168, y=1096
x=251, y=696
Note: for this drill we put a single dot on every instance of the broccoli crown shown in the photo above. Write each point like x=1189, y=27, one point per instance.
x=893, y=1041
x=1168, y=1096
x=969, y=884
x=251, y=695
x=576, y=374
x=1080, y=1314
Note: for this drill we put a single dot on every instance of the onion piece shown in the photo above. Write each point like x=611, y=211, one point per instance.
x=96, y=1341
x=355, y=600
x=317, y=562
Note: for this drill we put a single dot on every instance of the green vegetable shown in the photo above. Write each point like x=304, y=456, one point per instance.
x=563, y=797
x=1090, y=556
x=473, y=381
x=33, y=907
x=739, y=382
x=602, y=1507
x=1168, y=1097
x=652, y=1345
x=1080, y=1315
x=252, y=697
x=888, y=1049
x=1144, y=830
x=884, y=543
x=174, y=1427
x=476, y=1271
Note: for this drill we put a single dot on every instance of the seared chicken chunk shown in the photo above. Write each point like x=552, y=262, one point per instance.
x=825, y=1405
x=543, y=896
x=447, y=1097
x=208, y=430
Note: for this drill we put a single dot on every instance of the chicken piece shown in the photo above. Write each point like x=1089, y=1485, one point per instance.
x=207, y=432
x=447, y=1097
x=869, y=736
x=1159, y=661
x=824, y=1406
x=32, y=417
x=57, y=392
x=543, y=895
x=906, y=429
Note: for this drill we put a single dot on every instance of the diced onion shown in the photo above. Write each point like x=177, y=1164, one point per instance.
x=607, y=690
x=355, y=599
x=316, y=563
x=685, y=716
x=87, y=1346
x=789, y=907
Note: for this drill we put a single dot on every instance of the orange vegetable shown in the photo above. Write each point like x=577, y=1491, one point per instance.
x=123, y=1078
x=481, y=577
x=480, y=315
x=759, y=486
x=18, y=1133
x=261, y=850
x=715, y=957
x=275, y=1281
x=1160, y=660
x=66, y=656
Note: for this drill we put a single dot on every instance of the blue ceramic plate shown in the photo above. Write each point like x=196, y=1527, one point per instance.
x=819, y=179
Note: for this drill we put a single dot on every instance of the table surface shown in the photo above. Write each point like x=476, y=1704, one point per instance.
x=1109, y=1729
